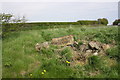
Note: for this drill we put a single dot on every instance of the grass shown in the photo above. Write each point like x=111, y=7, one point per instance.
x=21, y=60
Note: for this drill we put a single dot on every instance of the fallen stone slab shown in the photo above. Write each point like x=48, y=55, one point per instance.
x=94, y=45
x=63, y=41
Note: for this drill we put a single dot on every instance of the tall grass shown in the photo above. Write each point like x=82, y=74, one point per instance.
x=20, y=59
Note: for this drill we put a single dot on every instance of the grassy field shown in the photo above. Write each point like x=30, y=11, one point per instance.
x=21, y=60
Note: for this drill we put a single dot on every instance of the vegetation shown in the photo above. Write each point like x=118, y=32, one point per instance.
x=21, y=60
x=87, y=22
x=12, y=23
x=116, y=22
x=113, y=53
x=103, y=21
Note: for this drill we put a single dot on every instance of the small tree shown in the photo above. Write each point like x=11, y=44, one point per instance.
x=116, y=22
x=103, y=21
x=10, y=18
x=5, y=18
x=11, y=23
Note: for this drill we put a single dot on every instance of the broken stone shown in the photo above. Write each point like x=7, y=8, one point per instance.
x=95, y=54
x=38, y=46
x=88, y=51
x=105, y=46
x=94, y=45
x=84, y=42
x=45, y=45
x=82, y=48
x=88, y=54
x=63, y=41
x=75, y=42
x=79, y=57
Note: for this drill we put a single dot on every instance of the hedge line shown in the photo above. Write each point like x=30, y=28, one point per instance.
x=8, y=27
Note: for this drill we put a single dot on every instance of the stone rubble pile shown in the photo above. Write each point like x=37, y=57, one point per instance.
x=93, y=47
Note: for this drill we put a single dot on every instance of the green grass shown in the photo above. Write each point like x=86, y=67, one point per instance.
x=20, y=59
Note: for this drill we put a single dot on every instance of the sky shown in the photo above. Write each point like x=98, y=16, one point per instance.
x=59, y=0
x=49, y=11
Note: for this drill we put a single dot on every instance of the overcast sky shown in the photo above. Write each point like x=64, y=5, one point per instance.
x=59, y=0
x=62, y=11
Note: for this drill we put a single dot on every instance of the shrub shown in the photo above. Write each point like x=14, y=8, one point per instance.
x=103, y=21
x=116, y=22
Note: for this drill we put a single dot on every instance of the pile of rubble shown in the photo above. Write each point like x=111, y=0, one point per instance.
x=93, y=47
x=81, y=51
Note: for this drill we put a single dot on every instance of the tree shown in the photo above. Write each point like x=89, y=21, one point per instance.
x=116, y=22
x=5, y=18
x=11, y=23
x=103, y=21
x=10, y=18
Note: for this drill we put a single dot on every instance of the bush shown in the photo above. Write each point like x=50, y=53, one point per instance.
x=87, y=22
x=103, y=21
x=116, y=22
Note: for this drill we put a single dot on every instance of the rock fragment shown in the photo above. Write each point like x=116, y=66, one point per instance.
x=63, y=41
x=105, y=46
x=94, y=45
x=38, y=46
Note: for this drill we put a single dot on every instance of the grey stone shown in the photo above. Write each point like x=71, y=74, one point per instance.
x=82, y=48
x=45, y=45
x=105, y=46
x=95, y=54
x=88, y=51
x=94, y=45
x=39, y=46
